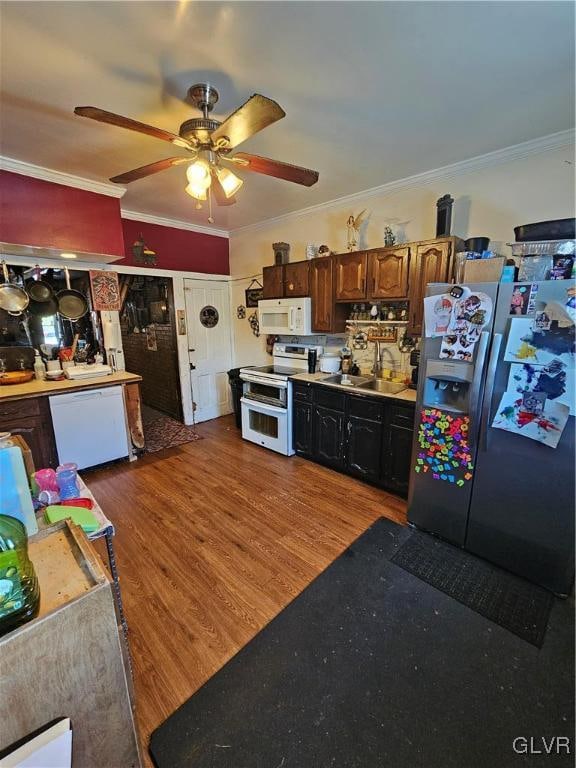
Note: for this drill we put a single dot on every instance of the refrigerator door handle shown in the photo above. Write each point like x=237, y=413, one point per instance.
x=489, y=389
x=476, y=383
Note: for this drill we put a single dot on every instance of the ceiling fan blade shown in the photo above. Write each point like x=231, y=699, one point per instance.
x=254, y=115
x=269, y=167
x=218, y=192
x=148, y=170
x=102, y=116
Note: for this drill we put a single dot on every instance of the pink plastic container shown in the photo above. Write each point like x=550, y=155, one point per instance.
x=46, y=479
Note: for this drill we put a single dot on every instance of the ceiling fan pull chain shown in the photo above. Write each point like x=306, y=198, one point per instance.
x=210, y=218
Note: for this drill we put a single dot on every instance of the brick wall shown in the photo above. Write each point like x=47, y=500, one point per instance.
x=160, y=385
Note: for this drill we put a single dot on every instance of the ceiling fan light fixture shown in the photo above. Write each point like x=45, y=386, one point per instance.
x=229, y=182
x=197, y=191
x=198, y=174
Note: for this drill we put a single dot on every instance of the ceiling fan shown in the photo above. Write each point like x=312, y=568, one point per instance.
x=209, y=143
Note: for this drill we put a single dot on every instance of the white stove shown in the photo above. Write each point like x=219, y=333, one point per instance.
x=266, y=400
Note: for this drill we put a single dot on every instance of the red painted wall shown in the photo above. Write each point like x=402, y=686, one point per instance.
x=37, y=212
x=178, y=249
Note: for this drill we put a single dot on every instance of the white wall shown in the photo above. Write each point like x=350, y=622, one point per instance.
x=489, y=201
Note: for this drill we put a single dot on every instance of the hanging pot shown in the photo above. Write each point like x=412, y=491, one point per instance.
x=43, y=308
x=12, y=298
x=71, y=304
x=39, y=290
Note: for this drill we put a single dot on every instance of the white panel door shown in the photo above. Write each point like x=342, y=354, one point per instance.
x=209, y=345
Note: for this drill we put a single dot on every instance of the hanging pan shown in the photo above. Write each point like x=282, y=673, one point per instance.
x=39, y=290
x=12, y=298
x=71, y=304
x=43, y=308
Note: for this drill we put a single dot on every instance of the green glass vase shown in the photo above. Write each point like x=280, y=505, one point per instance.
x=19, y=590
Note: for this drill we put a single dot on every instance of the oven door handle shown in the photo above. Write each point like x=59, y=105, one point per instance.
x=264, y=407
x=276, y=383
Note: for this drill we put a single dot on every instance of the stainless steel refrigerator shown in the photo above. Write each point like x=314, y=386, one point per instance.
x=496, y=493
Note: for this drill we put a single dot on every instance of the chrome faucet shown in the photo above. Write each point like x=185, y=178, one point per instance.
x=377, y=365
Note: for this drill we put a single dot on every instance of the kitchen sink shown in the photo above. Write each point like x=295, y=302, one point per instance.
x=380, y=385
x=349, y=381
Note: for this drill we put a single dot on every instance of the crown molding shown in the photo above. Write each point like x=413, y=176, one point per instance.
x=162, y=221
x=59, y=177
x=478, y=163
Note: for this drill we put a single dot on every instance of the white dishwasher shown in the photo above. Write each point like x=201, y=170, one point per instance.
x=90, y=426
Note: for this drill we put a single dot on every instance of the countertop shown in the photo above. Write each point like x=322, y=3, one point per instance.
x=407, y=395
x=36, y=388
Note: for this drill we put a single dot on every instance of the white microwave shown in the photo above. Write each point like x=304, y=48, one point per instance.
x=286, y=317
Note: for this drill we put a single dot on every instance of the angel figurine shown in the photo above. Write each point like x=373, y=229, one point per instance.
x=353, y=224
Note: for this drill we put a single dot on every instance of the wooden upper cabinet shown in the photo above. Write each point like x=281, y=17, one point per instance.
x=273, y=280
x=351, y=274
x=296, y=280
x=322, y=294
x=431, y=264
x=327, y=316
x=389, y=273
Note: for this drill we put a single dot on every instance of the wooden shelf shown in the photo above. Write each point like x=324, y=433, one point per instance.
x=376, y=322
x=65, y=569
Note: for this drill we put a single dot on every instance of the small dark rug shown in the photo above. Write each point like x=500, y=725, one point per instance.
x=508, y=600
x=165, y=432
x=370, y=667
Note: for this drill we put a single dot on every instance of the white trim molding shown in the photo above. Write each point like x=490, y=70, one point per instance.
x=151, y=218
x=490, y=159
x=59, y=177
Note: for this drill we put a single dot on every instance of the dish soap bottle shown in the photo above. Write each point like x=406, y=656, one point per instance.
x=19, y=590
x=39, y=369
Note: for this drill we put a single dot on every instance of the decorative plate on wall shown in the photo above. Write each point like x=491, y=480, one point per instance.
x=209, y=316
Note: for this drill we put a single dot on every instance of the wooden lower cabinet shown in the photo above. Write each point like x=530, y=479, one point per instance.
x=366, y=437
x=31, y=418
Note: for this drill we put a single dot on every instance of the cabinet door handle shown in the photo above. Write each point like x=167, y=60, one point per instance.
x=373, y=285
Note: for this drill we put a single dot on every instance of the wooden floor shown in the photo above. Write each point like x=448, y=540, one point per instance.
x=213, y=539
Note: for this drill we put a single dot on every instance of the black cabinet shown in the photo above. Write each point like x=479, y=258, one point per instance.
x=368, y=437
x=328, y=438
x=364, y=447
x=302, y=428
x=396, y=464
x=397, y=450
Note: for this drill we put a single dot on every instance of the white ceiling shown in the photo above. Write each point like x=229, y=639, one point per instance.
x=373, y=92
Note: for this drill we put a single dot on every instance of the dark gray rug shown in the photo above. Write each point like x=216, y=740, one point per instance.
x=513, y=603
x=370, y=667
